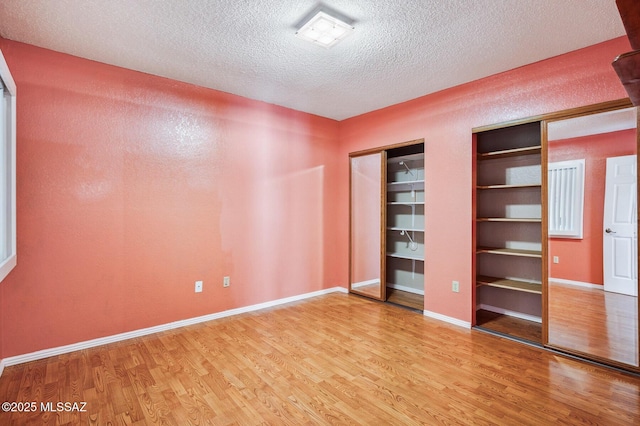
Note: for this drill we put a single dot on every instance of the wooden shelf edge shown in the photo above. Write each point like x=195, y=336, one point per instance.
x=406, y=182
x=524, y=286
x=405, y=203
x=509, y=252
x=410, y=157
x=532, y=185
x=530, y=150
x=404, y=256
x=510, y=219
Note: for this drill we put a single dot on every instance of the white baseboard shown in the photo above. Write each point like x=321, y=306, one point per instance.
x=46, y=353
x=445, y=318
x=515, y=314
x=576, y=283
x=405, y=288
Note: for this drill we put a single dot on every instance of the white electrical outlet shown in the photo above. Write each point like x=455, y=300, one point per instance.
x=226, y=281
x=455, y=286
x=556, y=259
x=198, y=286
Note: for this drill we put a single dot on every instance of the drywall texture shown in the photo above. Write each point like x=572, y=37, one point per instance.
x=131, y=187
x=446, y=120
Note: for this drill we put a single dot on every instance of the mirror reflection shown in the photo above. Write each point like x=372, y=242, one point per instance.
x=366, y=202
x=592, y=200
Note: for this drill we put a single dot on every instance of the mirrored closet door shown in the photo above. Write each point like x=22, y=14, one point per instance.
x=592, y=294
x=367, y=245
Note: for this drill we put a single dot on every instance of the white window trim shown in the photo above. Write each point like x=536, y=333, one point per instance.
x=566, y=217
x=8, y=202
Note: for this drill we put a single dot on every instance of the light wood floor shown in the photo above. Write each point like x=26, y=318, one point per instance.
x=335, y=359
x=594, y=321
x=398, y=297
x=370, y=290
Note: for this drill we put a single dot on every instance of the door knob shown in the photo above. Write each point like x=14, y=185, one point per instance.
x=609, y=231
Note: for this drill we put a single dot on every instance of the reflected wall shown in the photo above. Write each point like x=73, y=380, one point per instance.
x=366, y=205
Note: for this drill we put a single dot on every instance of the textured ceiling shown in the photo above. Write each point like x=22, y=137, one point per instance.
x=400, y=49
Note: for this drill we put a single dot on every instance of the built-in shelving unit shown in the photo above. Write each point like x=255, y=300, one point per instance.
x=508, y=238
x=405, y=220
x=387, y=223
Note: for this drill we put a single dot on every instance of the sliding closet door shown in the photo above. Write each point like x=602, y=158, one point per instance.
x=367, y=197
x=593, y=226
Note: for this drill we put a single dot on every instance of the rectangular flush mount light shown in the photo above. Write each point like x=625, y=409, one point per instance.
x=324, y=30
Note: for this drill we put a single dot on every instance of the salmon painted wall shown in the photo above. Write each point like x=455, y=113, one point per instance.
x=581, y=259
x=446, y=119
x=131, y=187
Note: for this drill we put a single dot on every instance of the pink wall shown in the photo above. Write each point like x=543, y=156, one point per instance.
x=131, y=187
x=581, y=259
x=445, y=119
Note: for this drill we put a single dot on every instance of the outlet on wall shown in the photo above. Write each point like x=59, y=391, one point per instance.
x=198, y=286
x=455, y=286
x=556, y=259
x=226, y=281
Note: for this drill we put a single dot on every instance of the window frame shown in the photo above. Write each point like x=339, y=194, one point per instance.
x=8, y=194
x=573, y=226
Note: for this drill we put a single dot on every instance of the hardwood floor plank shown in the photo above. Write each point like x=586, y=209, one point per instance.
x=335, y=359
x=594, y=321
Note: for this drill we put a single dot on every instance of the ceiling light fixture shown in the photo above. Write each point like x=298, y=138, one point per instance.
x=323, y=28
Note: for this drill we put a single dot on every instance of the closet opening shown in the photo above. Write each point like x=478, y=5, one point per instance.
x=387, y=224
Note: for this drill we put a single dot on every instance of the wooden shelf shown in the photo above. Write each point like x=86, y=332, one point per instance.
x=510, y=252
x=525, y=286
x=406, y=203
x=410, y=157
x=405, y=256
x=529, y=185
x=530, y=150
x=405, y=182
x=510, y=219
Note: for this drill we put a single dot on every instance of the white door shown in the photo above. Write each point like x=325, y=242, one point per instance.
x=621, y=226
